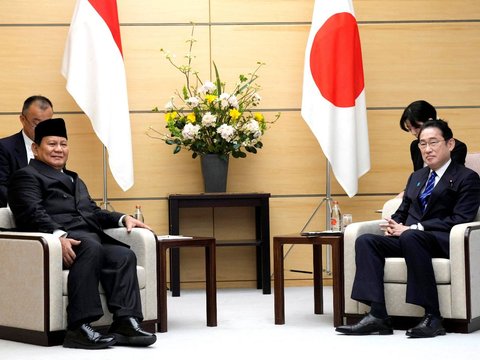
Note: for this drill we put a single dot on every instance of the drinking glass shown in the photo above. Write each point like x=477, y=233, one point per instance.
x=346, y=220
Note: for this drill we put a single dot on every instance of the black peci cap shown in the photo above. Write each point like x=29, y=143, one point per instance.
x=50, y=127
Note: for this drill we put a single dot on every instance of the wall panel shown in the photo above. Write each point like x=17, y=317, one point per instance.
x=129, y=11
x=434, y=61
x=32, y=67
x=365, y=10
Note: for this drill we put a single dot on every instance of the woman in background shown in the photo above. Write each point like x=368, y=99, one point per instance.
x=412, y=120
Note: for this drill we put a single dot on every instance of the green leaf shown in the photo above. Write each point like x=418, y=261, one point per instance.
x=218, y=82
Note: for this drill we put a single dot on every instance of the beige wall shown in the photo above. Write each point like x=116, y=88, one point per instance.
x=412, y=49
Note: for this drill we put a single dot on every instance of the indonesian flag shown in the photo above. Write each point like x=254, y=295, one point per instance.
x=95, y=73
x=333, y=102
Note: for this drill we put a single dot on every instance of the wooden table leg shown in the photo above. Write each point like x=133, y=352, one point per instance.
x=162, y=288
x=317, y=279
x=278, y=281
x=211, y=284
x=338, y=290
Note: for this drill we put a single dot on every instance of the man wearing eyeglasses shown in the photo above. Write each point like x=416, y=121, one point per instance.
x=436, y=198
x=16, y=150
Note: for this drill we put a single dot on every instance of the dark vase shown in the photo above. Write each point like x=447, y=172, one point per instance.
x=214, y=171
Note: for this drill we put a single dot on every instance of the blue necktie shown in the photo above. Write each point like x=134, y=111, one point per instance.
x=425, y=195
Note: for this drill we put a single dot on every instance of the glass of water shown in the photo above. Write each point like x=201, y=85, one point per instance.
x=346, y=220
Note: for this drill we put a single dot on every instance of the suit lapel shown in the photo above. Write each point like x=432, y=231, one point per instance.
x=444, y=183
x=420, y=184
x=54, y=174
x=20, y=151
x=76, y=185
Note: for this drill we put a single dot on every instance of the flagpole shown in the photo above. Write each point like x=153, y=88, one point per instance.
x=328, y=212
x=105, y=204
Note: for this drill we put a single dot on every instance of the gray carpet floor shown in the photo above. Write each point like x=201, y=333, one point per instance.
x=246, y=330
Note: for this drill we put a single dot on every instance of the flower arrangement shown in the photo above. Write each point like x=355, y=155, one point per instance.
x=206, y=118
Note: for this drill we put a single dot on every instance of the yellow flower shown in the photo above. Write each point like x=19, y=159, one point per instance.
x=170, y=116
x=234, y=114
x=191, y=118
x=259, y=117
x=210, y=98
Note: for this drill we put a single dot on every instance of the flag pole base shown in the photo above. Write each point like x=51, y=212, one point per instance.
x=327, y=200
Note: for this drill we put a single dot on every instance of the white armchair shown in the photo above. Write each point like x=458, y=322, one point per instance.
x=458, y=278
x=33, y=296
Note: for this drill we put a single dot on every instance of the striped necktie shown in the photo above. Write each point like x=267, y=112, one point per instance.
x=425, y=195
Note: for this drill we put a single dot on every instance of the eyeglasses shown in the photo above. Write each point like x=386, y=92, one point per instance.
x=433, y=144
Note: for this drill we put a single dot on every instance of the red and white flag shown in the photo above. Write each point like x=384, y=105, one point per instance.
x=333, y=101
x=95, y=72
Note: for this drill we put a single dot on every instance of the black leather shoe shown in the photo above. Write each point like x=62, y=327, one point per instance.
x=430, y=326
x=127, y=332
x=85, y=337
x=369, y=325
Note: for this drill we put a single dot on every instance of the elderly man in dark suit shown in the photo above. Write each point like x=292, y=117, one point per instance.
x=436, y=198
x=16, y=150
x=46, y=197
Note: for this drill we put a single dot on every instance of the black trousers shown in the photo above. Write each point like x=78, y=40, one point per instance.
x=417, y=247
x=113, y=266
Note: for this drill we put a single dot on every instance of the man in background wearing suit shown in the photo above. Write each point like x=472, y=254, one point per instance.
x=46, y=197
x=418, y=231
x=16, y=150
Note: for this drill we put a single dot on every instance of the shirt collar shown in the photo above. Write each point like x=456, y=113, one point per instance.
x=28, y=146
x=442, y=170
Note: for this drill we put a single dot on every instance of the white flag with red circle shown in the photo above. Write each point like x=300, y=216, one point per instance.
x=333, y=99
x=95, y=72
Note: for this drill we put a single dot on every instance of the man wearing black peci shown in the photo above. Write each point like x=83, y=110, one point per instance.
x=46, y=197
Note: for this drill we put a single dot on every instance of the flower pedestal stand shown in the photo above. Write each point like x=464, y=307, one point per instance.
x=214, y=171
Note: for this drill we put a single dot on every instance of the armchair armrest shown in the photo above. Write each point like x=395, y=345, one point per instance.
x=143, y=242
x=32, y=268
x=352, y=232
x=465, y=268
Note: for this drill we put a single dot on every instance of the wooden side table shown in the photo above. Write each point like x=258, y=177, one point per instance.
x=259, y=201
x=210, y=276
x=336, y=241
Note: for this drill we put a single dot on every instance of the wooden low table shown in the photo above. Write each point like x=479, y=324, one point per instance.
x=336, y=241
x=210, y=276
x=258, y=201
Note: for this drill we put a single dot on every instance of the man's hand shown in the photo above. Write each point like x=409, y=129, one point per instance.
x=392, y=228
x=68, y=255
x=130, y=222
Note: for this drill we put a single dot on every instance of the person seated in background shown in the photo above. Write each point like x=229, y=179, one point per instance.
x=46, y=197
x=412, y=119
x=16, y=150
x=437, y=197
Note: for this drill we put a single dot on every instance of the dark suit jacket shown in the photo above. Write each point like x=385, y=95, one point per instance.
x=44, y=199
x=454, y=200
x=458, y=154
x=13, y=156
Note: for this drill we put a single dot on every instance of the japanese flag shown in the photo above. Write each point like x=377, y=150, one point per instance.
x=333, y=100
